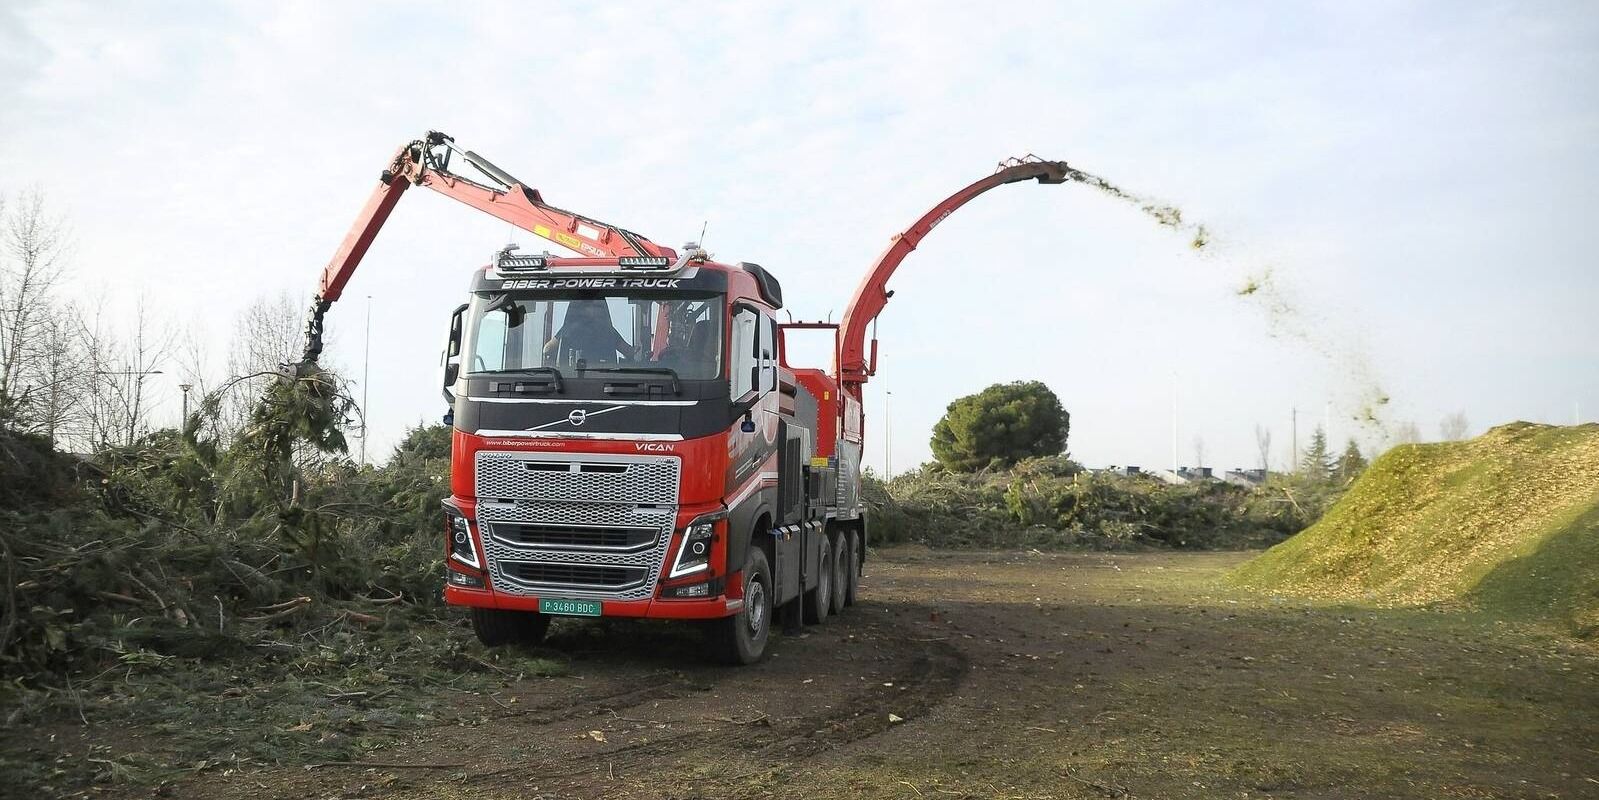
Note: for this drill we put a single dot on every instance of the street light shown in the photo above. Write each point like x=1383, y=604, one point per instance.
x=888, y=436
x=366, y=372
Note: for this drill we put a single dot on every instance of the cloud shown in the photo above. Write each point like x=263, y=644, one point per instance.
x=212, y=154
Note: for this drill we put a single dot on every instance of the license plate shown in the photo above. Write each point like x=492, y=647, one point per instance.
x=570, y=608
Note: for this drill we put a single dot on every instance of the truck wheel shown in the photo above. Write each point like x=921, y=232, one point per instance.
x=840, y=571
x=820, y=599
x=495, y=626
x=852, y=567
x=741, y=638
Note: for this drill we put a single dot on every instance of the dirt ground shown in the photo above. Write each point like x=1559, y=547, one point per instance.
x=1022, y=675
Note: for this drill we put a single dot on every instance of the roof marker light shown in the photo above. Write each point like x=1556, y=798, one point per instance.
x=520, y=263
x=643, y=262
x=506, y=261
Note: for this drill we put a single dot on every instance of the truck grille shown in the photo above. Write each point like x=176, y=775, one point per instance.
x=579, y=575
x=587, y=526
x=580, y=479
x=571, y=536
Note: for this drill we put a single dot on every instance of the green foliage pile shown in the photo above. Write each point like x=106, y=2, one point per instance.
x=1508, y=521
x=1054, y=502
x=999, y=426
x=266, y=585
x=181, y=545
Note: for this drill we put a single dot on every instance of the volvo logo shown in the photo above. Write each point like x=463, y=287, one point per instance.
x=576, y=417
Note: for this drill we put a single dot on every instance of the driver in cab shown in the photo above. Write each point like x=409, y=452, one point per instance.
x=587, y=335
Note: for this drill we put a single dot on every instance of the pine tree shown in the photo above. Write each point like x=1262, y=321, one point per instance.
x=1351, y=463
x=1317, y=464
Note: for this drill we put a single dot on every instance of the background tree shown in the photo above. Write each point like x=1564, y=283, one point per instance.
x=999, y=426
x=269, y=334
x=1406, y=433
x=1317, y=463
x=33, y=247
x=1454, y=427
x=1351, y=463
x=1199, y=452
x=57, y=375
x=1263, y=444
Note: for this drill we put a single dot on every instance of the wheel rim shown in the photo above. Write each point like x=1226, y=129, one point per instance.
x=755, y=606
x=824, y=581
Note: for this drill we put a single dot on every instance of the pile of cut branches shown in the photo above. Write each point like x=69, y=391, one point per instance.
x=183, y=544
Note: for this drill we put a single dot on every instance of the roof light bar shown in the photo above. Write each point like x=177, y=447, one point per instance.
x=510, y=263
x=644, y=262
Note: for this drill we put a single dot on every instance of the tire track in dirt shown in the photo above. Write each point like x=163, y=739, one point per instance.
x=593, y=704
x=924, y=674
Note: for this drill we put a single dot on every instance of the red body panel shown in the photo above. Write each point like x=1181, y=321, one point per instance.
x=825, y=390
x=702, y=489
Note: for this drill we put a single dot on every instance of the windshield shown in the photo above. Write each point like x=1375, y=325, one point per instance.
x=593, y=330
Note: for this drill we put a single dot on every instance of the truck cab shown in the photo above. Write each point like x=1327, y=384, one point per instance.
x=627, y=443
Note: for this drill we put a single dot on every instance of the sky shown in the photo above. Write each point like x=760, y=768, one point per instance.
x=1418, y=180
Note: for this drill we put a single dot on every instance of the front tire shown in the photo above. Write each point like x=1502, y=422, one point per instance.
x=741, y=638
x=495, y=627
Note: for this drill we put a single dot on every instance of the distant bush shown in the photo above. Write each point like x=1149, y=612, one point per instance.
x=1054, y=502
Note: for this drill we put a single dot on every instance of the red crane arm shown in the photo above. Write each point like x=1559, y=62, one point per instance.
x=425, y=162
x=872, y=295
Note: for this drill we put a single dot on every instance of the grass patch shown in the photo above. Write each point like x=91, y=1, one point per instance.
x=294, y=699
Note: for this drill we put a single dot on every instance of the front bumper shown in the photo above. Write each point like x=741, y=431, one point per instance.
x=711, y=608
x=727, y=602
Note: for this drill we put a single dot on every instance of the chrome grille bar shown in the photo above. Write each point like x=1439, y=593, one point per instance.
x=550, y=521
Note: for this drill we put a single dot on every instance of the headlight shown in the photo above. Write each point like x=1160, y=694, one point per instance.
x=460, y=533
x=694, y=553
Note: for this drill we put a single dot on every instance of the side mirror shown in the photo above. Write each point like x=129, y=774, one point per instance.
x=743, y=405
x=452, y=354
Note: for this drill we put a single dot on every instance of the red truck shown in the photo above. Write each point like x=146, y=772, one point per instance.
x=629, y=437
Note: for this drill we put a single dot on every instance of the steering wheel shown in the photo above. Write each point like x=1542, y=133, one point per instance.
x=478, y=364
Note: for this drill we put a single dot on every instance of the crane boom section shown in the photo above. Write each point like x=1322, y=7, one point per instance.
x=426, y=162
x=853, y=367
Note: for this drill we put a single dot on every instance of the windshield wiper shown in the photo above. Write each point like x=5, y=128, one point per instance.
x=555, y=378
x=667, y=371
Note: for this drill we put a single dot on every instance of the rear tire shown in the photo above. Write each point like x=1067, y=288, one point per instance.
x=741, y=638
x=840, y=571
x=820, y=599
x=852, y=581
x=495, y=627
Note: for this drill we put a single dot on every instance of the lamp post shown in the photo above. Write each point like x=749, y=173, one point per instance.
x=366, y=372
x=185, y=387
x=888, y=436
